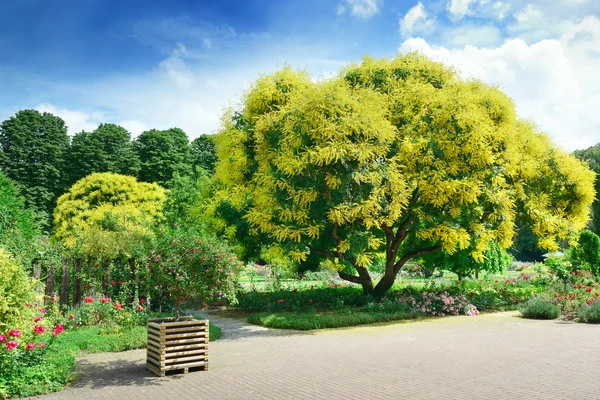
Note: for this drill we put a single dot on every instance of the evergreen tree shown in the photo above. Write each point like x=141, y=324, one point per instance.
x=33, y=148
x=163, y=154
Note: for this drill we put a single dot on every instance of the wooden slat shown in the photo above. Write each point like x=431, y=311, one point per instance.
x=189, y=347
x=184, y=323
x=184, y=341
x=183, y=360
x=181, y=366
x=183, y=353
x=186, y=329
x=154, y=325
x=186, y=335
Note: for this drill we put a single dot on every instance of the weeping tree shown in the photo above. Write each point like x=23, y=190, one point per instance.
x=393, y=149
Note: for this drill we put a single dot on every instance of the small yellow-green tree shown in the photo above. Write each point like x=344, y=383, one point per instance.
x=105, y=216
x=389, y=150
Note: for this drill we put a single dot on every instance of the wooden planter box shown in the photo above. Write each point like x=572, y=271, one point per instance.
x=177, y=345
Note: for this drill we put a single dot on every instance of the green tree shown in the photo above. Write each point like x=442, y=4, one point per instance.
x=392, y=149
x=33, y=148
x=107, y=149
x=592, y=156
x=204, y=152
x=495, y=260
x=18, y=229
x=163, y=154
x=587, y=254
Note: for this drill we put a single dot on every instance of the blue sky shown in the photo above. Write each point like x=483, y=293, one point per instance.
x=157, y=64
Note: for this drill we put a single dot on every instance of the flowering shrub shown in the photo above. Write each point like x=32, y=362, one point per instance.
x=16, y=293
x=438, y=304
x=103, y=311
x=540, y=307
x=590, y=312
x=187, y=264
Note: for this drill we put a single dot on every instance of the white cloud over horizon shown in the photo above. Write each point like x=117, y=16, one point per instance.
x=553, y=81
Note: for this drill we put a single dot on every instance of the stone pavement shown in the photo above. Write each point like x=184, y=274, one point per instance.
x=493, y=356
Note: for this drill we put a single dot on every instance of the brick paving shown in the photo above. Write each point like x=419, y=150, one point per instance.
x=493, y=356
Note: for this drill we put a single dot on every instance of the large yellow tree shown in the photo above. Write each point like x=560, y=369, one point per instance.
x=390, y=150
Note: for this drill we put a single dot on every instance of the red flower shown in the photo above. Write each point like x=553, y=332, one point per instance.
x=58, y=330
x=310, y=301
x=43, y=310
x=30, y=346
x=280, y=301
x=142, y=301
x=71, y=316
x=105, y=300
x=588, y=289
x=119, y=306
x=37, y=318
x=2, y=338
x=588, y=302
x=11, y=345
x=516, y=301
x=112, y=282
x=496, y=281
x=88, y=299
x=38, y=329
x=42, y=345
x=14, y=333
x=120, y=282
x=140, y=308
x=472, y=294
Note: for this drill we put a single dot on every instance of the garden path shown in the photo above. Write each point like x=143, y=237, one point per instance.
x=492, y=356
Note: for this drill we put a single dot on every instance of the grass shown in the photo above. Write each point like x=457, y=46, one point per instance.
x=309, y=321
x=94, y=339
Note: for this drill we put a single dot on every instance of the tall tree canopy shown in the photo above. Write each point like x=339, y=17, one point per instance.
x=33, y=148
x=204, y=152
x=592, y=156
x=107, y=149
x=394, y=149
x=163, y=154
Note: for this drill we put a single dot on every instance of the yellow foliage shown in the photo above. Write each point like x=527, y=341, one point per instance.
x=388, y=139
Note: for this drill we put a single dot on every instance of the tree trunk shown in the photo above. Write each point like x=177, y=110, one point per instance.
x=77, y=293
x=37, y=273
x=49, y=292
x=105, y=277
x=64, y=284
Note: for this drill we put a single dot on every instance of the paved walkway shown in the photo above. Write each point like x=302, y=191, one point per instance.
x=494, y=356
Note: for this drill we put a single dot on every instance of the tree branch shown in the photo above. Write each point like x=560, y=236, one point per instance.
x=414, y=254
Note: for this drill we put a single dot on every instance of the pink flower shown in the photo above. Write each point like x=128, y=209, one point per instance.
x=105, y=300
x=140, y=308
x=38, y=318
x=11, y=345
x=43, y=310
x=42, y=345
x=2, y=338
x=38, y=329
x=119, y=306
x=14, y=333
x=30, y=346
x=310, y=301
x=279, y=301
x=88, y=299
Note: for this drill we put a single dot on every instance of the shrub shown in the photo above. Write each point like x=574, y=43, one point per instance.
x=540, y=308
x=590, y=313
x=16, y=293
x=185, y=264
x=587, y=254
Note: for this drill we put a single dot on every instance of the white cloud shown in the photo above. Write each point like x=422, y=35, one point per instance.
x=359, y=8
x=458, y=8
x=76, y=121
x=553, y=82
x=474, y=35
x=529, y=16
x=415, y=20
